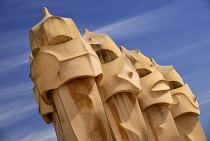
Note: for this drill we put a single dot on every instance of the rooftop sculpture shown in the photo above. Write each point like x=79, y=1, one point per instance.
x=91, y=90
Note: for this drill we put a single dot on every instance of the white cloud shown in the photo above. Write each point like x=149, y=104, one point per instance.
x=128, y=27
x=15, y=111
x=137, y=25
x=16, y=90
x=204, y=98
x=144, y=23
x=40, y=135
x=183, y=49
x=13, y=62
x=18, y=107
x=13, y=41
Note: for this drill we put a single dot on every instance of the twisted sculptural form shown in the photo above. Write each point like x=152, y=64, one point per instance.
x=91, y=90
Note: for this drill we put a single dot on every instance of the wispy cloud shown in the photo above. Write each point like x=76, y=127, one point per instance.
x=204, y=98
x=139, y=25
x=18, y=106
x=40, y=135
x=13, y=62
x=13, y=40
x=182, y=50
x=15, y=111
x=20, y=109
x=144, y=23
x=16, y=90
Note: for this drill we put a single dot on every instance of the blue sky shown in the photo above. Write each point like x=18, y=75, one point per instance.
x=172, y=32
